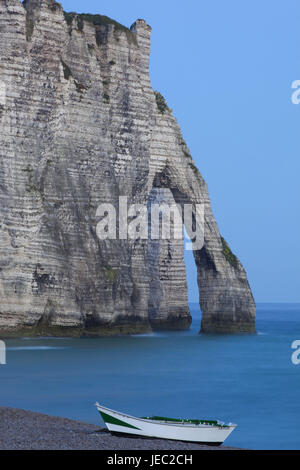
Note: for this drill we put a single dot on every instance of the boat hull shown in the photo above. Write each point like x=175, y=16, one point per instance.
x=124, y=434
x=119, y=423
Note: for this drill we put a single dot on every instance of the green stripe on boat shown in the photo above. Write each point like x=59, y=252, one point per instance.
x=192, y=421
x=110, y=419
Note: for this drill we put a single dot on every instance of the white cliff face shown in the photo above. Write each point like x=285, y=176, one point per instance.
x=80, y=125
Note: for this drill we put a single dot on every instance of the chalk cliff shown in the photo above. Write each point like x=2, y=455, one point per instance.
x=81, y=125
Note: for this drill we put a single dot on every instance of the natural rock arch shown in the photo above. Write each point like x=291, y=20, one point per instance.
x=80, y=126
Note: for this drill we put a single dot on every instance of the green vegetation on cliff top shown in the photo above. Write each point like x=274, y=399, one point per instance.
x=98, y=20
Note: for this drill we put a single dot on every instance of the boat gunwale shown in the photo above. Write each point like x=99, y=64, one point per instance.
x=168, y=423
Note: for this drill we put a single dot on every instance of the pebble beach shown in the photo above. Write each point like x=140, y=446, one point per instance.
x=27, y=430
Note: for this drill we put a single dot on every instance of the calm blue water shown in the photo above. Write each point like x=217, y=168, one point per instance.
x=246, y=379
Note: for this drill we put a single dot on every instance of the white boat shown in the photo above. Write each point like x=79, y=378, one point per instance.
x=190, y=430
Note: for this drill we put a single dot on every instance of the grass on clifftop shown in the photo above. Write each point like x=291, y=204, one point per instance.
x=231, y=258
x=98, y=20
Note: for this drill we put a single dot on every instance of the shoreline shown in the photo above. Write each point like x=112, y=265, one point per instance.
x=28, y=430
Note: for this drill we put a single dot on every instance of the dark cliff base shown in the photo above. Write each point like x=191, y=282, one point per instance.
x=61, y=331
x=24, y=430
x=230, y=327
x=130, y=328
x=98, y=331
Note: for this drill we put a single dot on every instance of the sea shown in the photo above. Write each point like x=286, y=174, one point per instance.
x=247, y=379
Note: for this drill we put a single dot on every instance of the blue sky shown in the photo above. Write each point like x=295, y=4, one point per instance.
x=226, y=69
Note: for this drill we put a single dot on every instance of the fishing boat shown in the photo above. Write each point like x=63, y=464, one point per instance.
x=191, y=430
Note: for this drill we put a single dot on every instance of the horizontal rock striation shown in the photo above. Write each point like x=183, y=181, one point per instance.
x=80, y=125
